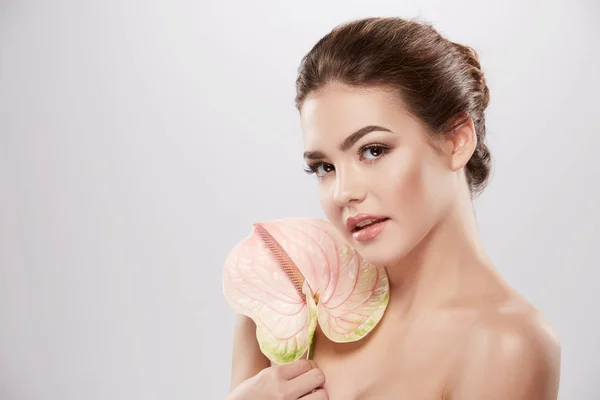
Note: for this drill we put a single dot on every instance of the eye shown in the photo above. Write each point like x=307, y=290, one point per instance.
x=373, y=152
x=320, y=169
x=323, y=169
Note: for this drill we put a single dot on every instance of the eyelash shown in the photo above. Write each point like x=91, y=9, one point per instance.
x=312, y=168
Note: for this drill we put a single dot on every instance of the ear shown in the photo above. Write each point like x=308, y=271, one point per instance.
x=462, y=142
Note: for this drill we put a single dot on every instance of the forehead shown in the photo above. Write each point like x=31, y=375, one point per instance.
x=334, y=111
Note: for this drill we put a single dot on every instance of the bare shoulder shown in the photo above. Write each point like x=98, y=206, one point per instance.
x=511, y=352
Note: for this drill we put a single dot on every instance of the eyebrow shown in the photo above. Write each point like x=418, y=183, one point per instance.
x=348, y=142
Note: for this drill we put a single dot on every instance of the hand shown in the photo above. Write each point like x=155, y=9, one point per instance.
x=301, y=379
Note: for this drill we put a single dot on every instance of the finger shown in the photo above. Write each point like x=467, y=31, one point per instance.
x=305, y=383
x=319, y=394
x=295, y=369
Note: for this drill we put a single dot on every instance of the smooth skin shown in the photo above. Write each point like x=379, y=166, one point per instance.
x=454, y=328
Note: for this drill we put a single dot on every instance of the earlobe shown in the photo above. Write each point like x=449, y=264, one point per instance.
x=464, y=141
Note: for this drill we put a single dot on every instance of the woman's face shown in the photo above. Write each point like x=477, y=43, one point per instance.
x=374, y=159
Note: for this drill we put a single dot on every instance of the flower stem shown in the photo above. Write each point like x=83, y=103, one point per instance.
x=311, y=349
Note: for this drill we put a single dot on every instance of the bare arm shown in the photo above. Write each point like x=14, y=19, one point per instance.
x=247, y=359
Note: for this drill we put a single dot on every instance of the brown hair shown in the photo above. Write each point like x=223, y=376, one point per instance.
x=438, y=80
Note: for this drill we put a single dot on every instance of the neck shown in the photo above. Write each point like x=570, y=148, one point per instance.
x=444, y=265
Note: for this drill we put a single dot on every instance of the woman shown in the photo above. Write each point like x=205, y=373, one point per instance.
x=393, y=121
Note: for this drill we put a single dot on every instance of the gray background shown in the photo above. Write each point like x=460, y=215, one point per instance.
x=139, y=140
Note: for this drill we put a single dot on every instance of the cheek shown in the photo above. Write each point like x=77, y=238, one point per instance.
x=331, y=210
x=410, y=194
x=404, y=188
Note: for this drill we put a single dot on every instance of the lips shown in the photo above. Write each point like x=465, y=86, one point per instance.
x=370, y=231
x=362, y=221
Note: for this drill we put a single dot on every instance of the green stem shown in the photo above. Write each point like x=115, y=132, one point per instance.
x=311, y=349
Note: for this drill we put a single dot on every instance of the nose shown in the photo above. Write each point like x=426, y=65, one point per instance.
x=348, y=188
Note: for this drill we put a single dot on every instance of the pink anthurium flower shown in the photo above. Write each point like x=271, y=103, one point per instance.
x=290, y=274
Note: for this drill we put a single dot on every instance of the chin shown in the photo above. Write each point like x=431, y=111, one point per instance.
x=383, y=255
x=386, y=249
